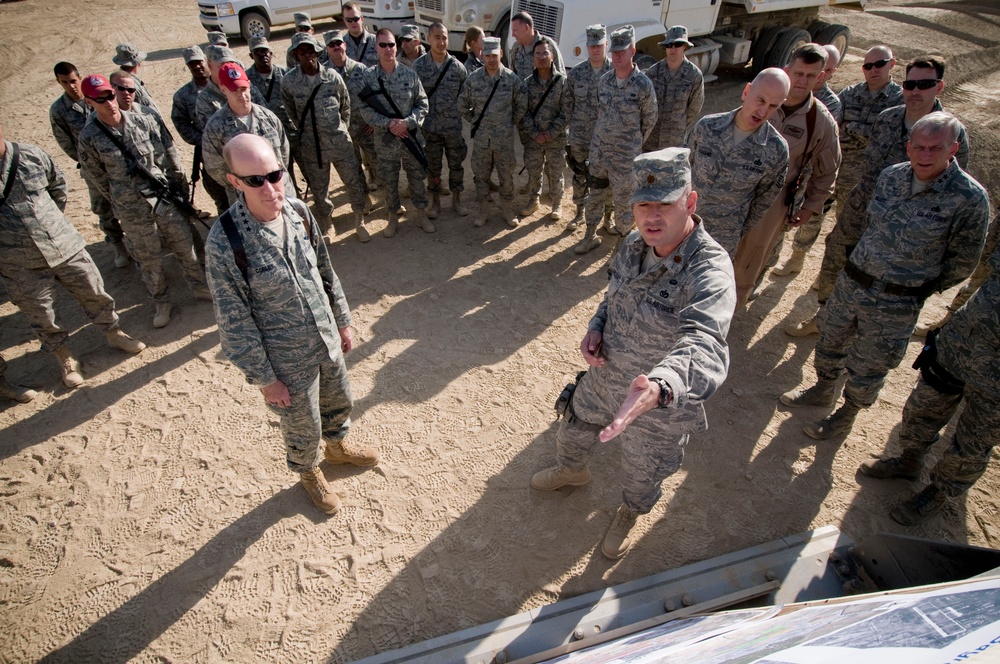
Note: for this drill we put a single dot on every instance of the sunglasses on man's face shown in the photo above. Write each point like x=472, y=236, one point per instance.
x=101, y=100
x=122, y=88
x=303, y=28
x=352, y=20
x=925, y=84
x=387, y=44
x=255, y=181
x=878, y=64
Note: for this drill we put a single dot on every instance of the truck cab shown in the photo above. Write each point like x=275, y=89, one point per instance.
x=392, y=14
x=493, y=16
x=254, y=18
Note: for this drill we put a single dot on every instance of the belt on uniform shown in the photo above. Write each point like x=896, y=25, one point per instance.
x=921, y=292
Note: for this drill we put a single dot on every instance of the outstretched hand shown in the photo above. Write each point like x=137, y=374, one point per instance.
x=643, y=395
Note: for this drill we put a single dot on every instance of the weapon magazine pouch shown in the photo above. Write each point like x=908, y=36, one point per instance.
x=933, y=373
x=565, y=397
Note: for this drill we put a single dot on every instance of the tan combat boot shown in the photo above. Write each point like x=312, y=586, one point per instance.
x=577, y=219
x=319, y=491
x=70, y=367
x=803, y=329
x=435, y=207
x=390, y=230
x=820, y=394
x=556, y=213
x=359, y=226
x=162, y=315
x=507, y=213
x=589, y=242
x=792, y=266
x=530, y=207
x=456, y=204
x=906, y=466
x=835, y=424
x=556, y=477
x=121, y=255
x=920, y=507
x=424, y=222
x=16, y=392
x=337, y=452
x=118, y=339
x=618, y=539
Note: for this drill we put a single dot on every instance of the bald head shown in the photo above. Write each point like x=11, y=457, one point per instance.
x=832, y=56
x=251, y=155
x=761, y=98
x=879, y=52
x=245, y=149
x=878, y=65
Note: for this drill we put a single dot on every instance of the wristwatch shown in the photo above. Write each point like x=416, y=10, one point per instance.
x=666, y=396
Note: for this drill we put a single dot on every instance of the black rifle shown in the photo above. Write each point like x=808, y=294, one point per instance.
x=369, y=97
x=195, y=171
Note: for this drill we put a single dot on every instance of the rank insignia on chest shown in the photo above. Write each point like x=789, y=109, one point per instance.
x=794, y=132
x=758, y=162
x=664, y=293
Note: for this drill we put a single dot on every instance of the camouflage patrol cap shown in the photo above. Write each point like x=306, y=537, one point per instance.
x=597, y=34
x=193, y=54
x=301, y=38
x=302, y=20
x=127, y=55
x=622, y=38
x=491, y=46
x=219, y=54
x=332, y=36
x=259, y=42
x=218, y=38
x=661, y=176
x=678, y=33
x=409, y=32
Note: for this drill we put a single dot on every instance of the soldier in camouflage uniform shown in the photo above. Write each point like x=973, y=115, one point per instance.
x=184, y=115
x=886, y=146
x=39, y=246
x=926, y=226
x=656, y=347
x=317, y=100
x=67, y=115
x=360, y=43
x=217, y=38
x=239, y=116
x=493, y=127
x=397, y=89
x=125, y=92
x=966, y=368
x=303, y=25
x=823, y=93
x=522, y=53
x=13, y=391
x=129, y=58
x=143, y=217
x=626, y=116
x=581, y=89
x=443, y=76
x=285, y=322
x=543, y=130
x=680, y=91
x=473, y=48
x=739, y=160
x=362, y=134
x=411, y=49
x=266, y=77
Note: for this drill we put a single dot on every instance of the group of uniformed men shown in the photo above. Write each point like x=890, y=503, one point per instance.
x=910, y=222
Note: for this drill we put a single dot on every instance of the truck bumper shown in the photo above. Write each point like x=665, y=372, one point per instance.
x=228, y=24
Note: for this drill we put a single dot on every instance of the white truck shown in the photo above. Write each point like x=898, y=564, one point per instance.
x=392, y=14
x=254, y=18
x=493, y=16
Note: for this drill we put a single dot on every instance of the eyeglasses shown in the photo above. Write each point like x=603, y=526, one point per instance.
x=925, y=84
x=675, y=45
x=122, y=88
x=101, y=100
x=878, y=64
x=352, y=20
x=387, y=44
x=255, y=181
x=303, y=28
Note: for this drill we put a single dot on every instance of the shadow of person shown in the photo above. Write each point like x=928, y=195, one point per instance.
x=132, y=627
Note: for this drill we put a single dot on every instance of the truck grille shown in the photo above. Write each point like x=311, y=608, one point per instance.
x=546, y=15
x=367, y=8
x=207, y=10
x=435, y=6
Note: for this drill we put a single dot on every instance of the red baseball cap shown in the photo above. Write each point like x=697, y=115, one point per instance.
x=232, y=76
x=94, y=85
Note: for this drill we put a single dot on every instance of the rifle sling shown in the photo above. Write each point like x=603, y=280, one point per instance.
x=475, y=125
x=437, y=83
x=302, y=120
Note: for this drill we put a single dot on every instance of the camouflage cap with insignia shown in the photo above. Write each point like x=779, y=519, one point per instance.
x=127, y=55
x=302, y=20
x=193, y=54
x=661, y=176
x=332, y=36
x=218, y=38
x=259, y=42
x=491, y=46
x=409, y=32
x=678, y=33
x=219, y=54
x=300, y=38
x=622, y=38
x=597, y=35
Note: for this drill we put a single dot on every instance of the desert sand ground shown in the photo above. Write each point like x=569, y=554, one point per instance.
x=148, y=515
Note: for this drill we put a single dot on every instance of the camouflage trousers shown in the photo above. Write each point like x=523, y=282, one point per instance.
x=617, y=167
x=928, y=411
x=454, y=148
x=391, y=155
x=649, y=454
x=982, y=272
x=320, y=410
x=33, y=291
x=552, y=158
x=580, y=189
x=866, y=332
x=807, y=234
x=106, y=220
x=364, y=152
x=852, y=218
x=317, y=175
x=488, y=154
x=852, y=166
x=144, y=244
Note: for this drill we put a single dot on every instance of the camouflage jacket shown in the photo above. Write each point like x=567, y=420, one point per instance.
x=860, y=110
x=184, y=113
x=142, y=95
x=829, y=98
x=670, y=323
x=522, y=59
x=626, y=114
x=67, y=118
x=353, y=74
x=403, y=85
x=552, y=117
x=505, y=111
x=210, y=100
x=472, y=63
x=287, y=311
x=103, y=164
x=443, y=116
x=224, y=125
x=969, y=344
x=331, y=109
x=679, y=97
x=34, y=232
x=819, y=160
x=735, y=184
x=269, y=88
x=364, y=50
x=933, y=236
x=405, y=60
x=581, y=89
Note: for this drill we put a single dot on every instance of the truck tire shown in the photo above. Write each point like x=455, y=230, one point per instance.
x=817, y=27
x=786, y=43
x=765, y=40
x=836, y=35
x=253, y=24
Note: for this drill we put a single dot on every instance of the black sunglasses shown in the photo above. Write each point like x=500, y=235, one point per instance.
x=925, y=84
x=122, y=88
x=676, y=45
x=878, y=64
x=303, y=28
x=101, y=100
x=255, y=181
x=352, y=20
x=387, y=44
